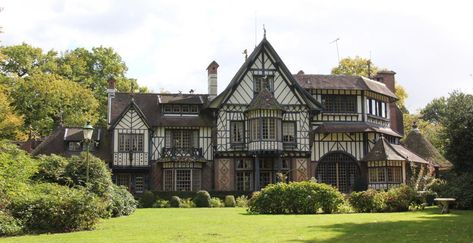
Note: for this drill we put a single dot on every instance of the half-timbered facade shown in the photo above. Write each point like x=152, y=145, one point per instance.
x=341, y=130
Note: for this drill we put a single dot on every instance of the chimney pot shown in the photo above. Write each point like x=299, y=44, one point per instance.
x=212, y=79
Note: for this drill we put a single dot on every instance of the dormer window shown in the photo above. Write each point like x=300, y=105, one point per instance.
x=179, y=109
x=263, y=82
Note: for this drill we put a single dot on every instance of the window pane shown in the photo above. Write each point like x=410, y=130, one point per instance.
x=168, y=180
x=183, y=180
x=244, y=181
x=288, y=132
x=236, y=132
x=139, y=184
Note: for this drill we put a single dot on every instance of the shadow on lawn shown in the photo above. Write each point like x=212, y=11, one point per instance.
x=456, y=227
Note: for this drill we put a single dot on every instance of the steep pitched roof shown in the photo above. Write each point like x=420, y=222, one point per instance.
x=264, y=101
x=147, y=103
x=131, y=105
x=383, y=150
x=310, y=101
x=150, y=106
x=342, y=82
x=417, y=143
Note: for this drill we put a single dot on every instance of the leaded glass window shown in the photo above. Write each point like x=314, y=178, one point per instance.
x=339, y=103
x=130, y=142
x=237, y=131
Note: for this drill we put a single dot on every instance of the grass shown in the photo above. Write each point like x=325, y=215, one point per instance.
x=235, y=225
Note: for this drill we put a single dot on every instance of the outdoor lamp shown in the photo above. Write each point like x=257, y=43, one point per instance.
x=88, y=130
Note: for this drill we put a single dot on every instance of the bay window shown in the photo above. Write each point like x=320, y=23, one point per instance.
x=130, y=142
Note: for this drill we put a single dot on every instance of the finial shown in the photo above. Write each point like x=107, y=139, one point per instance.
x=191, y=91
x=264, y=30
x=246, y=53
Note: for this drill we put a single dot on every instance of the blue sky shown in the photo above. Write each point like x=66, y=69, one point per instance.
x=168, y=44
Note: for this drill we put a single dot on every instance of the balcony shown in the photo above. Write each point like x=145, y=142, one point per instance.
x=130, y=159
x=181, y=152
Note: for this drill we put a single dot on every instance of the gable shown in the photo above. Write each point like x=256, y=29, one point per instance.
x=131, y=118
x=264, y=61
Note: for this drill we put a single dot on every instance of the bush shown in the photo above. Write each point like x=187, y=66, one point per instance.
x=100, y=178
x=458, y=187
x=122, y=202
x=398, y=199
x=296, y=198
x=51, y=207
x=369, y=201
x=242, y=201
x=175, y=202
x=215, y=202
x=202, y=199
x=161, y=203
x=188, y=203
x=230, y=201
x=147, y=199
x=9, y=225
x=51, y=168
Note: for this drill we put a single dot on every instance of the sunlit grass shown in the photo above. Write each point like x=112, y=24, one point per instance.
x=235, y=225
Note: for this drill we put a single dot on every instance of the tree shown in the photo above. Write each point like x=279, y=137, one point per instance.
x=458, y=122
x=10, y=122
x=49, y=100
x=402, y=96
x=435, y=111
x=23, y=60
x=357, y=66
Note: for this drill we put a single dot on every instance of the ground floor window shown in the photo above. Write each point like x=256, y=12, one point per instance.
x=182, y=179
x=135, y=183
x=384, y=174
x=244, y=181
x=339, y=170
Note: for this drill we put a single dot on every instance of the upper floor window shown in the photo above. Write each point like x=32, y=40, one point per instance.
x=263, y=82
x=237, y=131
x=182, y=138
x=339, y=103
x=376, y=108
x=289, y=132
x=264, y=129
x=180, y=109
x=130, y=142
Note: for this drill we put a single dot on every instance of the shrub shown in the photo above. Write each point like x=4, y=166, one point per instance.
x=51, y=168
x=147, y=199
x=100, y=178
x=188, y=203
x=215, y=202
x=52, y=207
x=398, y=199
x=230, y=201
x=367, y=201
x=122, y=202
x=296, y=198
x=161, y=203
x=9, y=225
x=242, y=201
x=202, y=199
x=175, y=202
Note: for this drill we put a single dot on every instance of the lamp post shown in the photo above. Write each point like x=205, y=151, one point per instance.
x=87, y=131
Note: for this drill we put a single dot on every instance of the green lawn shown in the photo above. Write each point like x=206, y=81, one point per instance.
x=235, y=225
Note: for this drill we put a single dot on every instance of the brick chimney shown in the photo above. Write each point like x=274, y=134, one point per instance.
x=395, y=114
x=387, y=77
x=212, y=79
x=111, y=94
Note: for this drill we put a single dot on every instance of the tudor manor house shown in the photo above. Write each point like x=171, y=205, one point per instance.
x=341, y=130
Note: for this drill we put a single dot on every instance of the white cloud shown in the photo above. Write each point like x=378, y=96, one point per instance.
x=168, y=44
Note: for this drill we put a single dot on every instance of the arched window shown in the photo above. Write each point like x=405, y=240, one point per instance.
x=338, y=169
